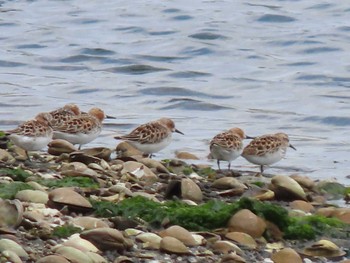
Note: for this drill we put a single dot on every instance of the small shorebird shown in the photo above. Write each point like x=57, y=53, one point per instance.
x=267, y=149
x=227, y=146
x=151, y=137
x=81, y=129
x=64, y=114
x=32, y=135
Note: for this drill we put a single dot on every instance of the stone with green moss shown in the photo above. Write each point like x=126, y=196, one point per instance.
x=65, y=231
x=215, y=214
x=78, y=181
x=17, y=174
x=9, y=190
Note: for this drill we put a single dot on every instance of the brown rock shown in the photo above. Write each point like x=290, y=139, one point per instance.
x=287, y=188
x=190, y=190
x=304, y=181
x=186, y=156
x=302, y=205
x=286, y=255
x=247, y=222
x=125, y=149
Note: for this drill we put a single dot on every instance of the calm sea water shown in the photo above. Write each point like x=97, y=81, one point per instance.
x=265, y=66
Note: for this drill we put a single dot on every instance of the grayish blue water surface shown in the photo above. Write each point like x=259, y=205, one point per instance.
x=264, y=66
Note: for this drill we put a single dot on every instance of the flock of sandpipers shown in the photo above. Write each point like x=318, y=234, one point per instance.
x=70, y=124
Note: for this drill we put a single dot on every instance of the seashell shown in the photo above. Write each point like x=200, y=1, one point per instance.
x=59, y=146
x=79, y=243
x=11, y=214
x=223, y=246
x=6, y=157
x=125, y=149
x=173, y=245
x=247, y=222
x=34, y=196
x=286, y=255
x=53, y=259
x=99, y=152
x=96, y=258
x=8, y=244
x=186, y=156
x=133, y=232
x=88, y=222
x=83, y=158
x=324, y=248
x=107, y=239
x=232, y=258
x=151, y=163
x=150, y=240
x=264, y=194
x=304, y=181
x=73, y=254
x=77, y=169
x=242, y=239
x=226, y=183
x=125, y=259
x=287, y=188
x=139, y=171
x=179, y=233
x=64, y=196
x=10, y=256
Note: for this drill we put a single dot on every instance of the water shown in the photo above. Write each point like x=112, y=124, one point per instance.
x=210, y=65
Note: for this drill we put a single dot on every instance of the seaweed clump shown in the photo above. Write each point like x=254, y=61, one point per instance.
x=215, y=214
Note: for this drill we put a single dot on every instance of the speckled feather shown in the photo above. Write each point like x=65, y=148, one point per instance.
x=84, y=123
x=149, y=133
x=227, y=140
x=266, y=144
x=33, y=128
x=64, y=114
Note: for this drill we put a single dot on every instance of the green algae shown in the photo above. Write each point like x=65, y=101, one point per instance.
x=65, y=231
x=215, y=214
x=207, y=172
x=258, y=183
x=17, y=174
x=78, y=181
x=187, y=170
x=8, y=191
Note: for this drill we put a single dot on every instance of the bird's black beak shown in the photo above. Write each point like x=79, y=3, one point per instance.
x=249, y=137
x=291, y=146
x=176, y=130
x=110, y=117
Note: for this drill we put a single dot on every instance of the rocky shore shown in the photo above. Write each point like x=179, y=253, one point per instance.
x=113, y=205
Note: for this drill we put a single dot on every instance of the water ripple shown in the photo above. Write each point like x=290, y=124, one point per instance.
x=207, y=36
x=317, y=50
x=135, y=69
x=97, y=51
x=189, y=74
x=275, y=18
x=176, y=91
x=191, y=104
x=329, y=120
x=10, y=64
x=192, y=51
